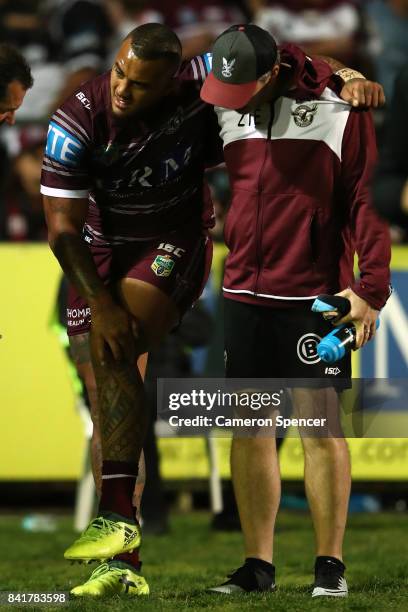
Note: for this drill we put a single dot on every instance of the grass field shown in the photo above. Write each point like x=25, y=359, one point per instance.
x=179, y=566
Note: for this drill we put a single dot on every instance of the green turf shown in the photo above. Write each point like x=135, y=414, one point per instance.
x=181, y=565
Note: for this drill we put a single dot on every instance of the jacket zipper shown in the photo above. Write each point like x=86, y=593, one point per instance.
x=258, y=230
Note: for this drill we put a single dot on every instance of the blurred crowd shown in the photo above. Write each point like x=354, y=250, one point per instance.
x=69, y=41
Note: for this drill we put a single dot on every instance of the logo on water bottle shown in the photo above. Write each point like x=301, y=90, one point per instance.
x=307, y=348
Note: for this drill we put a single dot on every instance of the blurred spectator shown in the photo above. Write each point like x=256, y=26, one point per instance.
x=81, y=30
x=388, y=27
x=125, y=15
x=23, y=24
x=199, y=22
x=390, y=188
x=320, y=27
x=15, y=80
x=22, y=216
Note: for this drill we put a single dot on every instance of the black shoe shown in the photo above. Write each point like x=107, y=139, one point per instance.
x=329, y=578
x=254, y=575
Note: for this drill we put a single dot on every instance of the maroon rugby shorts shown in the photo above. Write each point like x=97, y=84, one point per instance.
x=178, y=263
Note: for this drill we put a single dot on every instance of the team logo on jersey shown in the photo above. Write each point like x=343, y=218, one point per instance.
x=227, y=67
x=307, y=348
x=304, y=114
x=175, y=121
x=163, y=265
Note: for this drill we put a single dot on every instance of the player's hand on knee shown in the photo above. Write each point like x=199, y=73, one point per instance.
x=362, y=315
x=362, y=93
x=114, y=333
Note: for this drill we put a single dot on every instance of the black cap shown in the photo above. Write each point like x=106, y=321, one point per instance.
x=241, y=55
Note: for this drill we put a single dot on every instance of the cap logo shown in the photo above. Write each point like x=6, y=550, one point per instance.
x=227, y=68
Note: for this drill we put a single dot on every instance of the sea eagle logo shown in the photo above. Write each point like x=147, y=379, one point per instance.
x=304, y=114
x=227, y=67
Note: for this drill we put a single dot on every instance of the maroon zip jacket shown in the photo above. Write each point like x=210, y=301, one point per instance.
x=301, y=208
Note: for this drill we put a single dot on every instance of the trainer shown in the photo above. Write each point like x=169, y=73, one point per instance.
x=15, y=80
x=299, y=172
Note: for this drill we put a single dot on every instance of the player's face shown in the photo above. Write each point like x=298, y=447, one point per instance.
x=138, y=85
x=12, y=102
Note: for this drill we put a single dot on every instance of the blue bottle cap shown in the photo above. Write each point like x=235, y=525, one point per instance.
x=330, y=350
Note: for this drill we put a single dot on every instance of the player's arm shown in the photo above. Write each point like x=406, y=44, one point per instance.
x=65, y=219
x=357, y=90
x=370, y=234
x=111, y=324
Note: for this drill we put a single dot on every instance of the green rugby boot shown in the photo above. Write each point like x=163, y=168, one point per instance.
x=103, y=539
x=112, y=578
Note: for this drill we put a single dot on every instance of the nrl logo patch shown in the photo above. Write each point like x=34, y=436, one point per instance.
x=304, y=114
x=227, y=68
x=163, y=265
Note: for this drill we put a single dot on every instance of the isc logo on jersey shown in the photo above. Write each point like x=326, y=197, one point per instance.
x=63, y=146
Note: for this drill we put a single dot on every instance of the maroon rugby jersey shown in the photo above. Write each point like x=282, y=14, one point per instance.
x=142, y=177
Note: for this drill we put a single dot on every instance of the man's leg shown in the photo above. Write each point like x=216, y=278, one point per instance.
x=122, y=405
x=327, y=484
x=123, y=421
x=254, y=462
x=81, y=356
x=256, y=480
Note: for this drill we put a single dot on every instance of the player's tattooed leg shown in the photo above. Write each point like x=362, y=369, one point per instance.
x=122, y=410
x=81, y=355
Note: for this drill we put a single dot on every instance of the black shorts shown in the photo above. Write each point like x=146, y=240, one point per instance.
x=264, y=342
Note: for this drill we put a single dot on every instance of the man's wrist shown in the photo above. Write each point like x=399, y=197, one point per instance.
x=101, y=300
x=348, y=74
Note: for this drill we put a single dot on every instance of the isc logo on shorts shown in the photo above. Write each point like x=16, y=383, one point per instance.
x=307, y=348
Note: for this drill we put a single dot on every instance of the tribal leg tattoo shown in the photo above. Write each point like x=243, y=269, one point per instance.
x=122, y=410
x=81, y=356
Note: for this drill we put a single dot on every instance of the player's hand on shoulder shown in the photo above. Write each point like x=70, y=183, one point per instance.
x=114, y=332
x=362, y=315
x=362, y=93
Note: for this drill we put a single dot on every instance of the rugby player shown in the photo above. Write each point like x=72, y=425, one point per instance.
x=128, y=211
x=15, y=80
x=299, y=171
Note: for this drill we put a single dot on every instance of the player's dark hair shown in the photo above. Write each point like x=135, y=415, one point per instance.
x=153, y=41
x=13, y=67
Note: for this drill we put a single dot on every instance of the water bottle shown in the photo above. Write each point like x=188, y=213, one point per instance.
x=342, y=339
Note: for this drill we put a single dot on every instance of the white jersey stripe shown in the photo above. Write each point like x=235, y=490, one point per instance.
x=69, y=128
x=61, y=172
x=64, y=193
x=202, y=67
x=68, y=118
x=194, y=67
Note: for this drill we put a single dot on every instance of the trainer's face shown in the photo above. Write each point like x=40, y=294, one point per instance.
x=138, y=85
x=13, y=100
x=264, y=92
